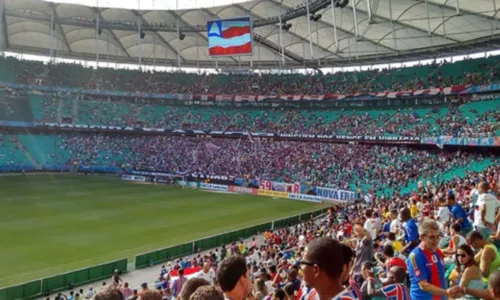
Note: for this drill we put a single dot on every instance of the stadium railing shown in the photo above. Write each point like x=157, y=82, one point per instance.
x=61, y=282
x=161, y=255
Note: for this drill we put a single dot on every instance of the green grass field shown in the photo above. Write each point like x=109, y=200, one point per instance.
x=51, y=224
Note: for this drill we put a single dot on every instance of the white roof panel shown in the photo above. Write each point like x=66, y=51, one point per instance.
x=394, y=27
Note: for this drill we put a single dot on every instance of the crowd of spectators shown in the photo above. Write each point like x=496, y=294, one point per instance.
x=437, y=242
x=478, y=118
x=469, y=71
x=343, y=166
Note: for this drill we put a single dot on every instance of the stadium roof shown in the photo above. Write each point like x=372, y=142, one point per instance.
x=387, y=30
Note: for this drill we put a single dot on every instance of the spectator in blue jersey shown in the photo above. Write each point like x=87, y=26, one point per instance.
x=459, y=215
x=394, y=287
x=323, y=271
x=387, y=227
x=411, y=231
x=426, y=265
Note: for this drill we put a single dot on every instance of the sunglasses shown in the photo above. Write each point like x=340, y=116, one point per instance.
x=462, y=255
x=307, y=263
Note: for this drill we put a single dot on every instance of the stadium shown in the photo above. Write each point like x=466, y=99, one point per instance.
x=142, y=138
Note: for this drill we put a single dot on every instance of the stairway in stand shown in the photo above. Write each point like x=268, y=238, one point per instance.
x=16, y=140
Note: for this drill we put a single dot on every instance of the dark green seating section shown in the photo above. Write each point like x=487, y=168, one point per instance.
x=162, y=255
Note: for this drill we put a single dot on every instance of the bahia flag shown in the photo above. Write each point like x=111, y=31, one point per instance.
x=229, y=37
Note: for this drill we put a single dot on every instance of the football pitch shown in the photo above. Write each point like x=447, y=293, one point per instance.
x=51, y=224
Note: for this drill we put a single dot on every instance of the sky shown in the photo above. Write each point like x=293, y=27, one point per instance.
x=151, y=4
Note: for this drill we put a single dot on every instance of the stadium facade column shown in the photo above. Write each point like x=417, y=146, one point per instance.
x=495, y=15
x=139, y=55
x=334, y=22
x=139, y=32
x=394, y=36
x=107, y=50
x=177, y=44
x=258, y=54
x=356, y=32
x=97, y=20
x=2, y=30
x=309, y=30
x=51, y=41
x=428, y=20
x=178, y=39
x=197, y=54
x=369, y=10
x=281, y=42
x=154, y=51
x=355, y=18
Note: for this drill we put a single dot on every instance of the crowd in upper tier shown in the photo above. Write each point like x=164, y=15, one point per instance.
x=469, y=71
x=463, y=118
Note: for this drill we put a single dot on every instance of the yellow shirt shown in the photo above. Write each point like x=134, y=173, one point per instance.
x=413, y=211
x=496, y=262
x=241, y=247
x=397, y=246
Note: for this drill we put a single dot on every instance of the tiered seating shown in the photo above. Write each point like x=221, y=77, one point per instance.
x=14, y=107
x=67, y=107
x=474, y=119
x=44, y=108
x=6, y=74
x=482, y=116
x=41, y=147
x=104, y=113
x=11, y=154
x=417, y=77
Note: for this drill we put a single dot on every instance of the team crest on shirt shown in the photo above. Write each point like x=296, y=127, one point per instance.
x=434, y=258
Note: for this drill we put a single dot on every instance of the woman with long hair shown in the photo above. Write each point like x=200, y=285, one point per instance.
x=260, y=289
x=469, y=272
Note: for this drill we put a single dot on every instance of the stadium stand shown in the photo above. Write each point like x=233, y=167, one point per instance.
x=392, y=176
x=461, y=119
x=417, y=147
x=377, y=169
x=470, y=71
x=275, y=261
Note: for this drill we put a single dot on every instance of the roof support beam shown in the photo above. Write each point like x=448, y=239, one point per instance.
x=56, y=20
x=400, y=23
x=6, y=44
x=113, y=35
x=291, y=33
x=181, y=20
x=465, y=11
x=359, y=38
x=167, y=44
